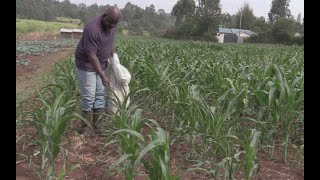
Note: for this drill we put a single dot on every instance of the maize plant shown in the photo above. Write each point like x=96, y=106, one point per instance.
x=221, y=101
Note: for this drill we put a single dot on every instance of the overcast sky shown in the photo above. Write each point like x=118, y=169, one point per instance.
x=260, y=7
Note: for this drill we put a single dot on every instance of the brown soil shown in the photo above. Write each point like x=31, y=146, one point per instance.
x=87, y=160
x=29, y=76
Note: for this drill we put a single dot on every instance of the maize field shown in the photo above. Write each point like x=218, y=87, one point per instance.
x=225, y=104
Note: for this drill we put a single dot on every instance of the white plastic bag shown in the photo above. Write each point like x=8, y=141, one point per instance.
x=119, y=78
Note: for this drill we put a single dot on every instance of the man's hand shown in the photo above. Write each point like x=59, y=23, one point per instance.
x=95, y=62
x=106, y=82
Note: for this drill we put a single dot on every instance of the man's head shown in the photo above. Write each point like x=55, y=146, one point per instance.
x=111, y=17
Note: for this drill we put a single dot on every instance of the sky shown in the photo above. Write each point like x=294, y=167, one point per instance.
x=260, y=7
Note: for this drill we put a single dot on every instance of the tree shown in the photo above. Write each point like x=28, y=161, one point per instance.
x=229, y=21
x=149, y=16
x=299, y=18
x=282, y=30
x=135, y=19
x=162, y=19
x=150, y=11
x=48, y=16
x=128, y=12
x=208, y=12
x=138, y=13
x=298, y=26
x=225, y=19
x=161, y=12
x=182, y=9
x=245, y=15
x=261, y=26
x=84, y=18
x=263, y=31
x=279, y=9
x=302, y=26
x=189, y=27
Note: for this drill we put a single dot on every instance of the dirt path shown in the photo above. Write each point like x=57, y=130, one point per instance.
x=31, y=75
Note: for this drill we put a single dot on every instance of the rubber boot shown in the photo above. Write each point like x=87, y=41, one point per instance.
x=85, y=129
x=98, y=119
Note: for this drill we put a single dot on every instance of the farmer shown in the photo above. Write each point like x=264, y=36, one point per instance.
x=91, y=56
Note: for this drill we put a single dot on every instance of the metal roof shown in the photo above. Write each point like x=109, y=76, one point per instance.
x=65, y=30
x=235, y=31
x=77, y=30
x=70, y=30
x=225, y=30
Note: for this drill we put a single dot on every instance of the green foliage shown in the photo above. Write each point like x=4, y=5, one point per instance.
x=56, y=109
x=279, y=9
x=282, y=30
x=40, y=47
x=210, y=95
x=299, y=40
x=25, y=26
x=68, y=20
x=183, y=9
x=220, y=101
x=245, y=13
